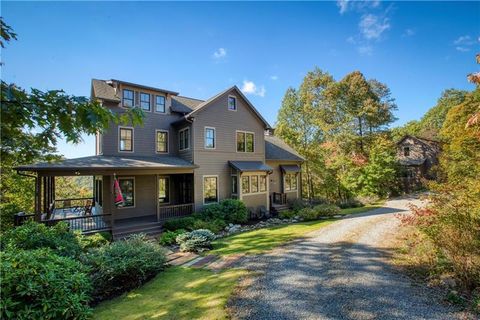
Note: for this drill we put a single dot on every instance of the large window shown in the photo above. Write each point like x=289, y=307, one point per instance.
x=262, y=183
x=209, y=138
x=234, y=184
x=160, y=104
x=245, y=141
x=127, y=185
x=254, y=184
x=162, y=141
x=145, y=101
x=245, y=184
x=163, y=190
x=290, y=182
x=210, y=192
x=128, y=98
x=126, y=139
x=232, y=103
x=184, y=139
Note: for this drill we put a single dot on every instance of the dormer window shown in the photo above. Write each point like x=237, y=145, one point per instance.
x=145, y=101
x=160, y=104
x=128, y=98
x=406, y=151
x=232, y=103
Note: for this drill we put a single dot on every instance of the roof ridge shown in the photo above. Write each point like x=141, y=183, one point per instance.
x=180, y=96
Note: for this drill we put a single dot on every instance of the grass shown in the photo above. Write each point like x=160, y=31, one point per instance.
x=177, y=293
x=361, y=209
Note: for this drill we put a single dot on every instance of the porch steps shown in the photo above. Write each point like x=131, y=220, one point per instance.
x=150, y=229
x=277, y=208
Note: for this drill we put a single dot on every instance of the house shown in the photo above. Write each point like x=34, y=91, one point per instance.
x=188, y=153
x=417, y=156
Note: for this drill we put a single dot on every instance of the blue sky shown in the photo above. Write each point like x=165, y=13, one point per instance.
x=198, y=49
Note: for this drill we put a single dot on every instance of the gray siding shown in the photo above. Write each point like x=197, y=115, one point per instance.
x=276, y=179
x=226, y=123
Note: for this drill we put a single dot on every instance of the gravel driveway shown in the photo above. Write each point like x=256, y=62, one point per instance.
x=338, y=272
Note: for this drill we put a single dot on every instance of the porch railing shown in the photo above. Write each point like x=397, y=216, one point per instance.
x=175, y=211
x=72, y=203
x=90, y=223
x=279, y=198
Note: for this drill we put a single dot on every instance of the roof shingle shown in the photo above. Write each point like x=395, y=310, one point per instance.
x=277, y=149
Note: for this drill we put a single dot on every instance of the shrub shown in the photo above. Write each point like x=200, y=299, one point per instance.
x=326, y=210
x=123, y=265
x=307, y=214
x=211, y=212
x=288, y=214
x=298, y=204
x=33, y=235
x=185, y=223
x=350, y=203
x=215, y=226
x=168, y=237
x=197, y=240
x=38, y=284
x=234, y=211
x=95, y=240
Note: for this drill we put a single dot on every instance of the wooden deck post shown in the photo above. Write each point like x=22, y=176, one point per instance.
x=38, y=197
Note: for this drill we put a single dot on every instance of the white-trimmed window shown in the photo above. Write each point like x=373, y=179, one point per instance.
x=232, y=103
x=262, y=182
x=210, y=137
x=290, y=181
x=145, y=101
x=164, y=190
x=184, y=139
x=125, y=137
x=162, y=141
x=210, y=189
x=245, y=141
x=127, y=185
x=128, y=98
x=245, y=184
x=160, y=104
x=254, y=184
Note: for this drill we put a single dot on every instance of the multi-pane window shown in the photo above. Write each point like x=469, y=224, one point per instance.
x=290, y=181
x=126, y=139
x=245, y=141
x=210, y=192
x=209, y=138
x=406, y=151
x=163, y=190
x=262, y=181
x=160, y=104
x=245, y=184
x=232, y=103
x=127, y=185
x=254, y=184
x=234, y=184
x=184, y=139
x=145, y=101
x=128, y=98
x=162, y=141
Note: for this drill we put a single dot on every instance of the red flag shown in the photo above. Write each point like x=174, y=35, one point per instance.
x=119, y=201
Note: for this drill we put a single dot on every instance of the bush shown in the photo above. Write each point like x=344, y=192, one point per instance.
x=211, y=212
x=350, y=203
x=168, y=237
x=215, y=226
x=196, y=241
x=38, y=284
x=288, y=214
x=95, y=240
x=307, y=214
x=326, y=210
x=33, y=235
x=185, y=223
x=123, y=265
x=234, y=211
x=298, y=204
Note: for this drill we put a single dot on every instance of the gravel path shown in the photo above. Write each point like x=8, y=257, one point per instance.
x=338, y=272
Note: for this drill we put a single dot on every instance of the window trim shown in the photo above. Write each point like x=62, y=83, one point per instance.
x=134, y=192
x=228, y=103
x=406, y=151
x=149, y=101
x=241, y=185
x=214, y=138
x=232, y=184
x=284, y=182
x=245, y=143
x=123, y=98
x=189, y=142
x=259, y=184
x=156, y=141
x=259, y=191
x=169, y=190
x=203, y=189
x=119, y=139
x=164, y=104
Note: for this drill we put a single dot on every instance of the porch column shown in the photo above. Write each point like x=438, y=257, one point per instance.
x=38, y=198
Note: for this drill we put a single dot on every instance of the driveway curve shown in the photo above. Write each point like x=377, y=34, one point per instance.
x=338, y=272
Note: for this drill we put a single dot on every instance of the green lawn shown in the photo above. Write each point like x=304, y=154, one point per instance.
x=177, y=293
x=361, y=209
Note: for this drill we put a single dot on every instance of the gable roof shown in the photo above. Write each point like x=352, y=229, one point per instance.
x=207, y=102
x=102, y=90
x=431, y=143
x=145, y=87
x=277, y=149
x=184, y=104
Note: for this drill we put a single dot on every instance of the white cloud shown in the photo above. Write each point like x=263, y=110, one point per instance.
x=462, y=49
x=464, y=43
x=274, y=78
x=220, y=53
x=408, y=33
x=372, y=26
x=343, y=5
x=249, y=87
x=366, y=50
x=349, y=5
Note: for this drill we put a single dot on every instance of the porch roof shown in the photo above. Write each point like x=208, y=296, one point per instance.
x=290, y=168
x=246, y=166
x=110, y=162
